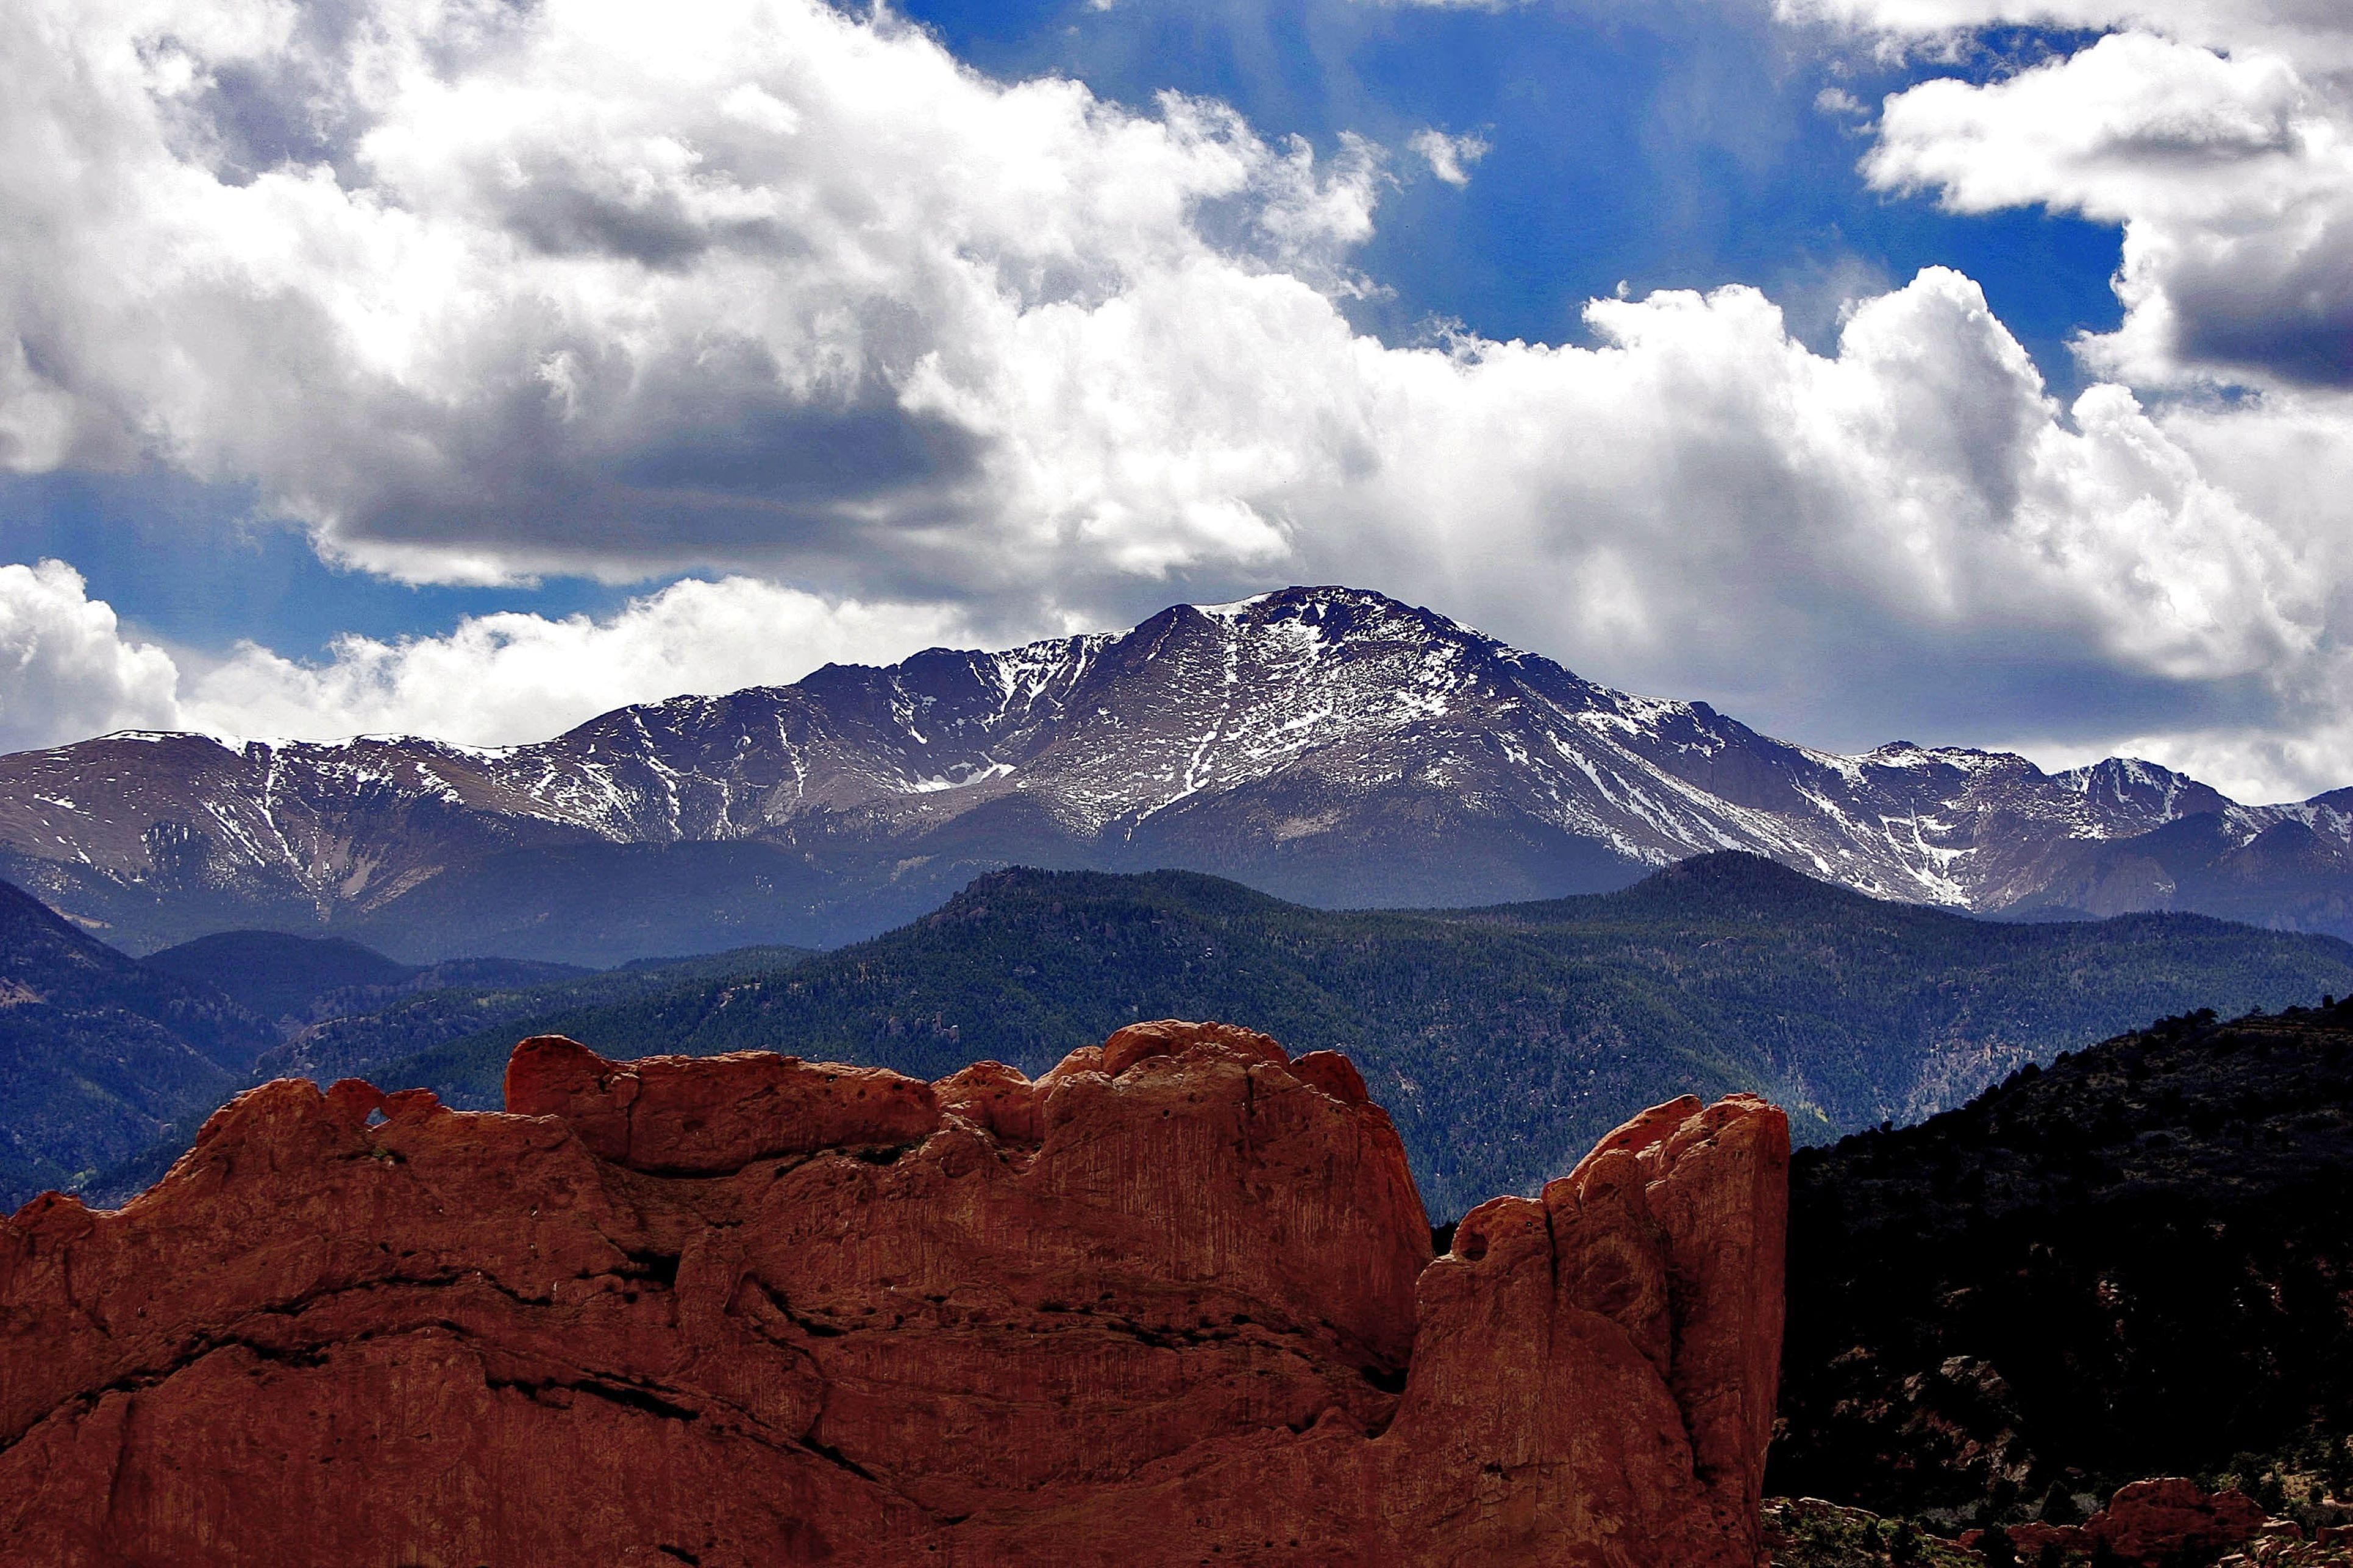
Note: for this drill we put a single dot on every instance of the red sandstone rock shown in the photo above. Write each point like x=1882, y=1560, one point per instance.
x=1332, y=1073
x=2150, y=1523
x=704, y=1115
x=1172, y=1303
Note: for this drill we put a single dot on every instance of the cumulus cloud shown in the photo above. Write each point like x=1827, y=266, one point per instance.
x=2317, y=31
x=500, y=677
x=1731, y=501
x=2231, y=176
x=1449, y=157
x=65, y=668
x=588, y=288
x=68, y=671
x=2218, y=134
x=762, y=288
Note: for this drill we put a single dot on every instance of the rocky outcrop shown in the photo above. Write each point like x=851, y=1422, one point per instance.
x=2129, y=1263
x=1808, y=1532
x=1172, y=1303
x=2150, y=1524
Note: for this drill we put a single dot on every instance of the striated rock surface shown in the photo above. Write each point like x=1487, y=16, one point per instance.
x=1172, y=1303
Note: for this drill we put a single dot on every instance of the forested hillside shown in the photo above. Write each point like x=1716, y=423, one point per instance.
x=2134, y=1263
x=1504, y=1040
x=295, y=981
x=100, y=1054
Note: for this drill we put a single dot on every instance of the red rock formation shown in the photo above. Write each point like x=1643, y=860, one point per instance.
x=1171, y=1303
x=2151, y=1523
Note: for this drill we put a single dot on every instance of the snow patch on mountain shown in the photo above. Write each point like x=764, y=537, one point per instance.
x=1329, y=718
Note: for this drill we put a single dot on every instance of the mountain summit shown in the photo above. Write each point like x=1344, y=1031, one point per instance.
x=1330, y=746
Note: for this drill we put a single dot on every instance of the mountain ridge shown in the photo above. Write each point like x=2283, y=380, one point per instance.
x=1329, y=745
x=296, y=981
x=98, y=1052
x=1503, y=1039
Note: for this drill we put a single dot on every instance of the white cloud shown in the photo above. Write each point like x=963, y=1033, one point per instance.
x=65, y=670
x=2232, y=177
x=497, y=678
x=1700, y=503
x=761, y=288
x=2317, y=32
x=1714, y=498
x=2219, y=135
x=588, y=286
x=1450, y=157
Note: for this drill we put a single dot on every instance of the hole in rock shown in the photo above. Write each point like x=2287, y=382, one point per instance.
x=660, y=1268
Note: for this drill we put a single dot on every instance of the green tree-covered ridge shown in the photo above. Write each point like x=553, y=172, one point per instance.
x=1504, y=1040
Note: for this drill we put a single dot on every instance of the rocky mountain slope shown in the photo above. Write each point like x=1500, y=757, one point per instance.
x=2134, y=1263
x=100, y=1054
x=1325, y=744
x=1504, y=1040
x=1172, y=1303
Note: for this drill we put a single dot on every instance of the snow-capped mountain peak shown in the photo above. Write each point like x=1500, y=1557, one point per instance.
x=1325, y=743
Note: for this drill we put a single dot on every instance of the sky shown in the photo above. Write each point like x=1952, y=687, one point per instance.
x=1967, y=371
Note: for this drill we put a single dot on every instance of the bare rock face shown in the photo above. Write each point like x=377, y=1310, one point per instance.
x=2151, y=1523
x=1171, y=1303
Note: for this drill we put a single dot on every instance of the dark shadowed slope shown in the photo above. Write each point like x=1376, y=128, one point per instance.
x=275, y=975
x=2287, y=875
x=99, y=1055
x=2136, y=1262
x=1504, y=1040
x=298, y=980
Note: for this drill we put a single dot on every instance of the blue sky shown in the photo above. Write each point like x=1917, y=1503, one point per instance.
x=462, y=364
x=1665, y=146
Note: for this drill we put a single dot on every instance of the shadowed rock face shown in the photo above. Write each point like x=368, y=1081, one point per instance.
x=1172, y=1303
